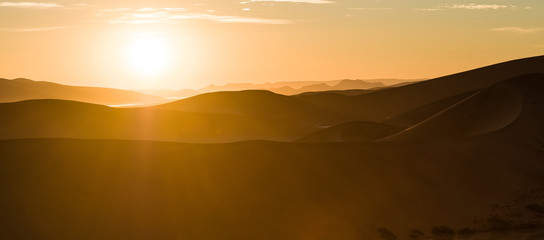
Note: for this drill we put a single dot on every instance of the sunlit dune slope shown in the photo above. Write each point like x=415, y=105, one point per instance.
x=68, y=119
x=24, y=89
x=259, y=103
x=486, y=111
x=352, y=132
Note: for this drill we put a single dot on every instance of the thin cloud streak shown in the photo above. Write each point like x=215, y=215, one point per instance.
x=429, y=9
x=474, y=6
x=470, y=6
x=21, y=30
x=29, y=5
x=518, y=30
x=168, y=15
x=370, y=9
x=113, y=10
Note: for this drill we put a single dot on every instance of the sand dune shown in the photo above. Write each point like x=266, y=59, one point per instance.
x=419, y=114
x=332, y=108
x=74, y=189
x=380, y=105
x=68, y=119
x=352, y=132
x=259, y=103
x=25, y=89
x=486, y=111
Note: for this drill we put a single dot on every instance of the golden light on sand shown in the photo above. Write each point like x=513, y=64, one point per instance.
x=149, y=55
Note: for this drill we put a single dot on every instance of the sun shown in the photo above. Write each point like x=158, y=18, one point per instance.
x=148, y=55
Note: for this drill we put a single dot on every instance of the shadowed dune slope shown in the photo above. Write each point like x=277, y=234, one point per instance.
x=486, y=111
x=84, y=189
x=258, y=103
x=352, y=132
x=68, y=119
x=380, y=105
x=23, y=89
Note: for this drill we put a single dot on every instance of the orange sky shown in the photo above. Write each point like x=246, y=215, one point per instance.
x=99, y=43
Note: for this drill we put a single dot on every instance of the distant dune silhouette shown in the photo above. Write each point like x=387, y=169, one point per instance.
x=456, y=157
x=285, y=88
x=25, y=89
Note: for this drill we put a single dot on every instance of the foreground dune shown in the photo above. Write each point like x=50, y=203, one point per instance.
x=83, y=189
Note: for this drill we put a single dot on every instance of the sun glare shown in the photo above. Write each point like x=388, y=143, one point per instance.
x=148, y=55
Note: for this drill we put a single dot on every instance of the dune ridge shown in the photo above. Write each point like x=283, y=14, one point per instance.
x=25, y=89
x=486, y=111
x=70, y=119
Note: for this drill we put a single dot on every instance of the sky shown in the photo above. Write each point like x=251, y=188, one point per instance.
x=190, y=44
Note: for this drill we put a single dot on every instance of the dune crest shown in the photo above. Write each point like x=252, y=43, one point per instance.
x=352, y=132
x=483, y=112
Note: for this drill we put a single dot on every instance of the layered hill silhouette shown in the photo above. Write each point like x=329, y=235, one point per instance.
x=284, y=88
x=404, y=106
x=457, y=157
x=24, y=89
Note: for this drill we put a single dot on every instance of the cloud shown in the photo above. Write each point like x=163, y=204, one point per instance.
x=429, y=9
x=474, y=6
x=33, y=29
x=294, y=1
x=470, y=6
x=170, y=15
x=518, y=30
x=370, y=9
x=234, y=19
x=113, y=10
x=175, y=9
x=29, y=5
